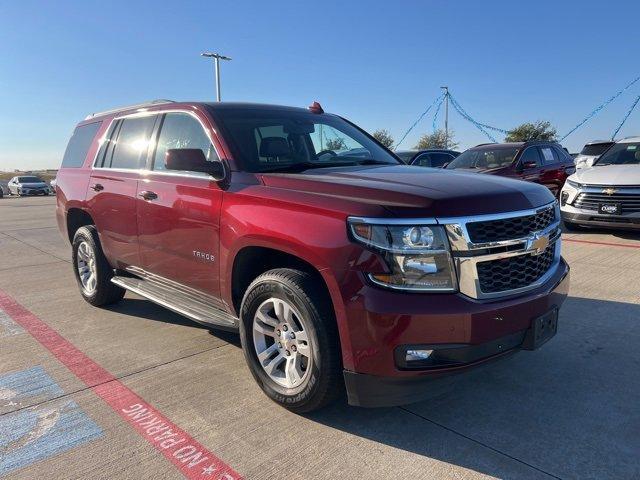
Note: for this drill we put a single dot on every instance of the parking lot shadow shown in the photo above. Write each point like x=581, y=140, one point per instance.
x=622, y=234
x=141, y=308
x=569, y=409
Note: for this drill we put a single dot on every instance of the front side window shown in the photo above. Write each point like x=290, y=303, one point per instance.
x=78, y=147
x=621, y=154
x=531, y=156
x=181, y=130
x=293, y=140
x=129, y=149
x=484, y=159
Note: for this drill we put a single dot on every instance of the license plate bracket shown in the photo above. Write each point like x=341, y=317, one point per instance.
x=609, y=208
x=542, y=330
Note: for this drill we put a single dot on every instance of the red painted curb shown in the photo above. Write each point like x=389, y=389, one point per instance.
x=594, y=242
x=189, y=456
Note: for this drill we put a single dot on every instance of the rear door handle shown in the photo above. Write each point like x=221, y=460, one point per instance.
x=97, y=187
x=147, y=195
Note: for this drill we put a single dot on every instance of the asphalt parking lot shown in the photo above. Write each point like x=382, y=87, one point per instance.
x=135, y=391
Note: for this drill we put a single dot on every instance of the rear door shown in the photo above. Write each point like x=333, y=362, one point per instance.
x=177, y=211
x=111, y=196
x=552, y=172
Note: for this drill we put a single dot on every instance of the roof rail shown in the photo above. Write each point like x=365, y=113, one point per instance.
x=129, y=107
x=483, y=144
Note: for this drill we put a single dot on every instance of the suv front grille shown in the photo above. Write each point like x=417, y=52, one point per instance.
x=629, y=203
x=514, y=272
x=511, y=228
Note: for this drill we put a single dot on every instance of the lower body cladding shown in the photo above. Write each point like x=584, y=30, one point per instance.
x=405, y=347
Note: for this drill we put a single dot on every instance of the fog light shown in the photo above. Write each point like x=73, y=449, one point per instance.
x=417, y=355
x=564, y=196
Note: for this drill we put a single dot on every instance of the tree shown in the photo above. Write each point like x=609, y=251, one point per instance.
x=336, y=144
x=531, y=131
x=437, y=139
x=384, y=137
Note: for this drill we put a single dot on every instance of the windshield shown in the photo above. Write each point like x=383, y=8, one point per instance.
x=485, y=158
x=621, y=154
x=289, y=140
x=596, y=149
x=29, y=180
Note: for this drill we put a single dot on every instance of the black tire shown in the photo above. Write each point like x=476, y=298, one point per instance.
x=323, y=382
x=105, y=292
x=572, y=227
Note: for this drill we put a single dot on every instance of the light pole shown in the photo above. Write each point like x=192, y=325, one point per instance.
x=446, y=116
x=216, y=58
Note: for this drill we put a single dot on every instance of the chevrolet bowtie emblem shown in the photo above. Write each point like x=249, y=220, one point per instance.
x=538, y=243
x=609, y=191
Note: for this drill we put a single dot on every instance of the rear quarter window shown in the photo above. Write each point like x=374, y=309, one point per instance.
x=79, y=144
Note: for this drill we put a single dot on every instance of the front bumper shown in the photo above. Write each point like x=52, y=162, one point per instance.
x=33, y=191
x=480, y=330
x=594, y=219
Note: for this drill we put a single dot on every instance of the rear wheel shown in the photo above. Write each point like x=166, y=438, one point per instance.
x=290, y=340
x=92, y=270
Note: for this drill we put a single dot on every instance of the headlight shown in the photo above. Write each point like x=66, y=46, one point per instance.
x=573, y=184
x=418, y=256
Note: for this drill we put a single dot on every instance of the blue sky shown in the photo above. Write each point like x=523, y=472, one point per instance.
x=377, y=63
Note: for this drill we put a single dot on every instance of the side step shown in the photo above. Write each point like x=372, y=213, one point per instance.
x=179, y=301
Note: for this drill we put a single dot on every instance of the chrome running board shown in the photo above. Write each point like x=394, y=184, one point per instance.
x=180, y=301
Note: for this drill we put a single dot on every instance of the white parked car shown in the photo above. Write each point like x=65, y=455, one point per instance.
x=28, y=185
x=591, y=151
x=608, y=193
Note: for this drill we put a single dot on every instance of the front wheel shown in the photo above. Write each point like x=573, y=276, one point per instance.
x=290, y=340
x=92, y=270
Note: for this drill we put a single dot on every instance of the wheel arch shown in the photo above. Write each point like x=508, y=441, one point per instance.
x=77, y=218
x=254, y=259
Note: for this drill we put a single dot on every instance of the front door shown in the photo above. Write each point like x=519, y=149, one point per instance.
x=529, y=165
x=111, y=196
x=178, y=212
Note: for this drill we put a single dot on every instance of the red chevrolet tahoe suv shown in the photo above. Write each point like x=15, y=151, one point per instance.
x=339, y=269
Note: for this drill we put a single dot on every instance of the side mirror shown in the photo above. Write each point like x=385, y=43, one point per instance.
x=445, y=165
x=193, y=160
x=526, y=166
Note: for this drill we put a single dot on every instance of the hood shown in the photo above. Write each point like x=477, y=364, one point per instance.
x=416, y=191
x=609, y=175
x=32, y=184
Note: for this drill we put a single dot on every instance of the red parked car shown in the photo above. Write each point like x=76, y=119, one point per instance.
x=340, y=271
x=541, y=162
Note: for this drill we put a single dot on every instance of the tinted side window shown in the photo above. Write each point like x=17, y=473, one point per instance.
x=78, y=146
x=423, y=160
x=531, y=155
x=181, y=130
x=562, y=155
x=439, y=159
x=130, y=146
x=548, y=156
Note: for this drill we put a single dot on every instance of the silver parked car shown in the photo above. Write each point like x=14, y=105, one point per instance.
x=591, y=152
x=28, y=185
x=607, y=194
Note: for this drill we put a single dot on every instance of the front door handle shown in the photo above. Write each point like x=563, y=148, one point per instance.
x=147, y=195
x=97, y=187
